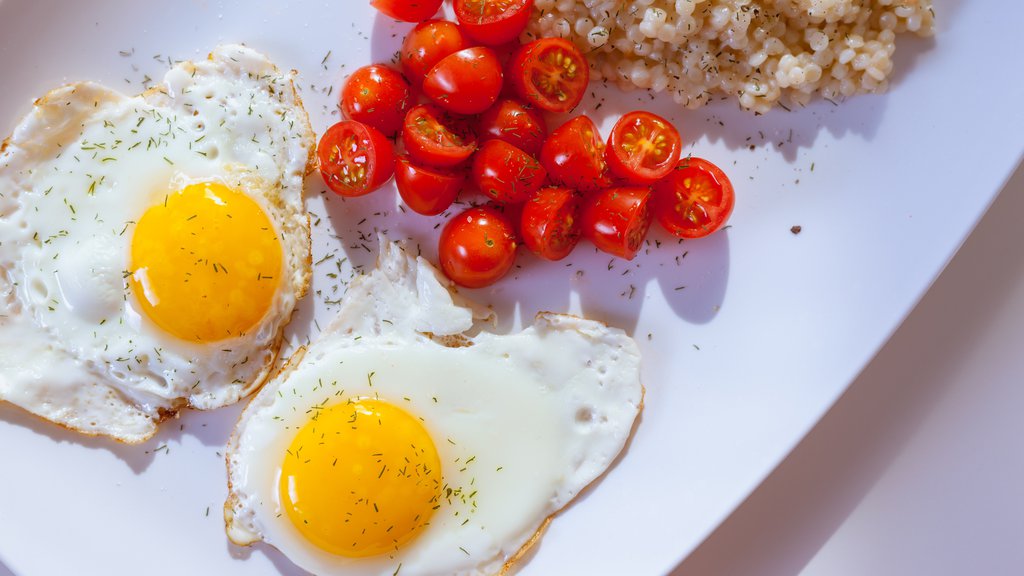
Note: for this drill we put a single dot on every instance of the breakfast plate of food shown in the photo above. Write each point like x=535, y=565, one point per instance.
x=458, y=287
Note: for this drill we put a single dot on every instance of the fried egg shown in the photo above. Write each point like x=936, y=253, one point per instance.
x=398, y=442
x=152, y=247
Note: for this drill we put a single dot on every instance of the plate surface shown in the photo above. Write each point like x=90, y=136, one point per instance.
x=748, y=336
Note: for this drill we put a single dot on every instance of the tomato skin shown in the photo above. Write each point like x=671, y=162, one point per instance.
x=427, y=44
x=549, y=73
x=477, y=247
x=355, y=159
x=574, y=156
x=428, y=191
x=643, y=148
x=616, y=220
x=695, y=200
x=435, y=138
x=493, y=22
x=520, y=125
x=550, y=223
x=378, y=96
x=505, y=173
x=407, y=10
x=466, y=82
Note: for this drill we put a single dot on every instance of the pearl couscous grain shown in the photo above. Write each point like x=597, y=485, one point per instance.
x=763, y=52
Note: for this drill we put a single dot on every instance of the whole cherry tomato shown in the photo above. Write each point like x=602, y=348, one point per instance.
x=550, y=223
x=573, y=155
x=616, y=220
x=695, y=200
x=506, y=173
x=519, y=125
x=355, y=159
x=643, y=148
x=378, y=96
x=477, y=247
x=427, y=44
x=493, y=22
x=550, y=73
x=436, y=138
x=407, y=10
x=466, y=82
x=428, y=191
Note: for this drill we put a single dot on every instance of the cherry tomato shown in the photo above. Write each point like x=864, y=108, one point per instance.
x=477, y=247
x=378, y=96
x=407, y=10
x=574, y=156
x=427, y=44
x=428, y=191
x=550, y=73
x=643, y=148
x=493, y=22
x=550, y=223
x=616, y=220
x=695, y=200
x=466, y=82
x=355, y=159
x=521, y=126
x=506, y=173
x=436, y=138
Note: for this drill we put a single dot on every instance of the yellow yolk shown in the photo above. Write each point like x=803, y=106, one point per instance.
x=205, y=263
x=361, y=478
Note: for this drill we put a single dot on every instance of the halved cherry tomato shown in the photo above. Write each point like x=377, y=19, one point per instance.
x=521, y=126
x=574, y=156
x=355, y=159
x=550, y=73
x=493, y=22
x=428, y=191
x=477, y=247
x=436, y=138
x=506, y=173
x=550, y=223
x=616, y=220
x=407, y=10
x=643, y=148
x=378, y=96
x=466, y=82
x=427, y=44
x=695, y=200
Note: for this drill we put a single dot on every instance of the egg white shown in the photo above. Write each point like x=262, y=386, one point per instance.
x=522, y=422
x=75, y=176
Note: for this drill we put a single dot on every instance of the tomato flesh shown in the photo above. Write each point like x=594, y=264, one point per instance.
x=505, y=173
x=695, y=200
x=643, y=148
x=436, y=138
x=428, y=191
x=574, y=156
x=550, y=73
x=378, y=96
x=493, y=22
x=519, y=125
x=466, y=82
x=355, y=159
x=406, y=10
x=477, y=247
x=550, y=223
x=616, y=220
x=427, y=44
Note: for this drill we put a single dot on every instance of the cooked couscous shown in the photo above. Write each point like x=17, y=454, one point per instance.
x=762, y=52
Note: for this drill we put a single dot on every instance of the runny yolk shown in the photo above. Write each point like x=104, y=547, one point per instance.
x=361, y=478
x=205, y=263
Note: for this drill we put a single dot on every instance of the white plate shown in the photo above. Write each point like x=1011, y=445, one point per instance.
x=768, y=331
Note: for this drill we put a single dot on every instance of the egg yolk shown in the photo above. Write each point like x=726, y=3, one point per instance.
x=361, y=478
x=205, y=263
